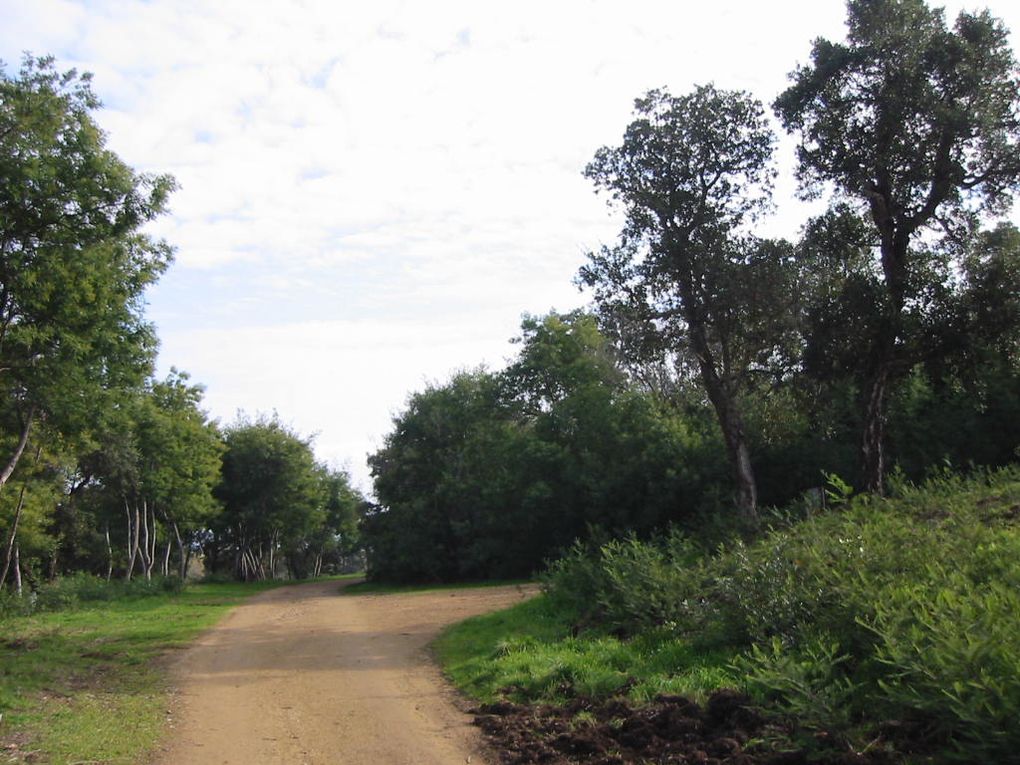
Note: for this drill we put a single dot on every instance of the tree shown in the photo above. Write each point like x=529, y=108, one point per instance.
x=179, y=466
x=272, y=493
x=691, y=171
x=488, y=475
x=920, y=126
x=447, y=480
x=73, y=263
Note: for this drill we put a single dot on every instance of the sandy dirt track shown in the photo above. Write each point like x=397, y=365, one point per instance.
x=304, y=675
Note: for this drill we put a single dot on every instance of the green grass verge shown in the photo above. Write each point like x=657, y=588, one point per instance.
x=89, y=685
x=382, y=588
x=526, y=653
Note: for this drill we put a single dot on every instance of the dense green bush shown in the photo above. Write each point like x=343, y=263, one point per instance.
x=627, y=585
x=892, y=620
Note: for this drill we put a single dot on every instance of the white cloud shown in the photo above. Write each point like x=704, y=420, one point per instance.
x=372, y=194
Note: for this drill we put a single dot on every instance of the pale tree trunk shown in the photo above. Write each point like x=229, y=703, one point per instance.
x=13, y=536
x=145, y=549
x=12, y=463
x=166, y=557
x=240, y=564
x=885, y=360
x=17, y=570
x=152, y=543
x=109, y=555
x=133, y=539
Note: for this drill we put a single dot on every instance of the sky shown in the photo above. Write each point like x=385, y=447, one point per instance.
x=371, y=195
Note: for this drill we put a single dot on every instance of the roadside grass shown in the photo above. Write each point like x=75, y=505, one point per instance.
x=527, y=653
x=89, y=684
x=382, y=588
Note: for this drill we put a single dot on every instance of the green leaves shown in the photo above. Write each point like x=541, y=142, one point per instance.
x=73, y=263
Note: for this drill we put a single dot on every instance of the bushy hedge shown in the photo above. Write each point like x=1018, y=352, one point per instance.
x=884, y=622
x=79, y=589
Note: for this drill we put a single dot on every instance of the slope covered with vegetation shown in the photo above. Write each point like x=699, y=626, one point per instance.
x=879, y=625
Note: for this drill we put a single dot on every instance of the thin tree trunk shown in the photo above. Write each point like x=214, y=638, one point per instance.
x=14, y=534
x=180, y=551
x=132, y=541
x=272, y=555
x=743, y=474
x=109, y=555
x=146, y=559
x=22, y=442
x=130, y=548
x=152, y=544
x=166, y=557
x=873, y=435
x=135, y=531
x=17, y=570
x=727, y=413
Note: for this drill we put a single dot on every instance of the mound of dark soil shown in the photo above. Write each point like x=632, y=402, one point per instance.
x=728, y=730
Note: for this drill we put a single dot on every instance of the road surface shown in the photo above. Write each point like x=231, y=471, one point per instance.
x=303, y=674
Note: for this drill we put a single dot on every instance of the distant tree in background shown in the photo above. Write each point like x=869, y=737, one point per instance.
x=919, y=126
x=280, y=507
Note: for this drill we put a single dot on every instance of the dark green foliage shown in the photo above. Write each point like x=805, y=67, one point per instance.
x=687, y=282
x=917, y=126
x=279, y=506
x=73, y=263
x=626, y=585
x=449, y=482
x=489, y=475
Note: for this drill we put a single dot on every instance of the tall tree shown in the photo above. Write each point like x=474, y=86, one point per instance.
x=73, y=263
x=690, y=173
x=920, y=126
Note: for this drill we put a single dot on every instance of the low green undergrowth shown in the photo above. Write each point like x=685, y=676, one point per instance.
x=87, y=683
x=69, y=592
x=527, y=653
x=879, y=623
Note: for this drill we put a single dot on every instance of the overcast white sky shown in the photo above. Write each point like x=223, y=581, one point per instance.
x=372, y=193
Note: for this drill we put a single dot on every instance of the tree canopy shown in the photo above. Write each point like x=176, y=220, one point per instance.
x=73, y=260
x=919, y=125
x=686, y=276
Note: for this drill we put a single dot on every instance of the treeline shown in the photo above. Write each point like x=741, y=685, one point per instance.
x=720, y=371
x=104, y=468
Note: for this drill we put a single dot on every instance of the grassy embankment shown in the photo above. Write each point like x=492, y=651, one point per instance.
x=89, y=683
x=878, y=624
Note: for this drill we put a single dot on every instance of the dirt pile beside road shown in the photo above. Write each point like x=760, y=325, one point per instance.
x=726, y=731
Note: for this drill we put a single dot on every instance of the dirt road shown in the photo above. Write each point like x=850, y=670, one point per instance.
x=304, y=675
